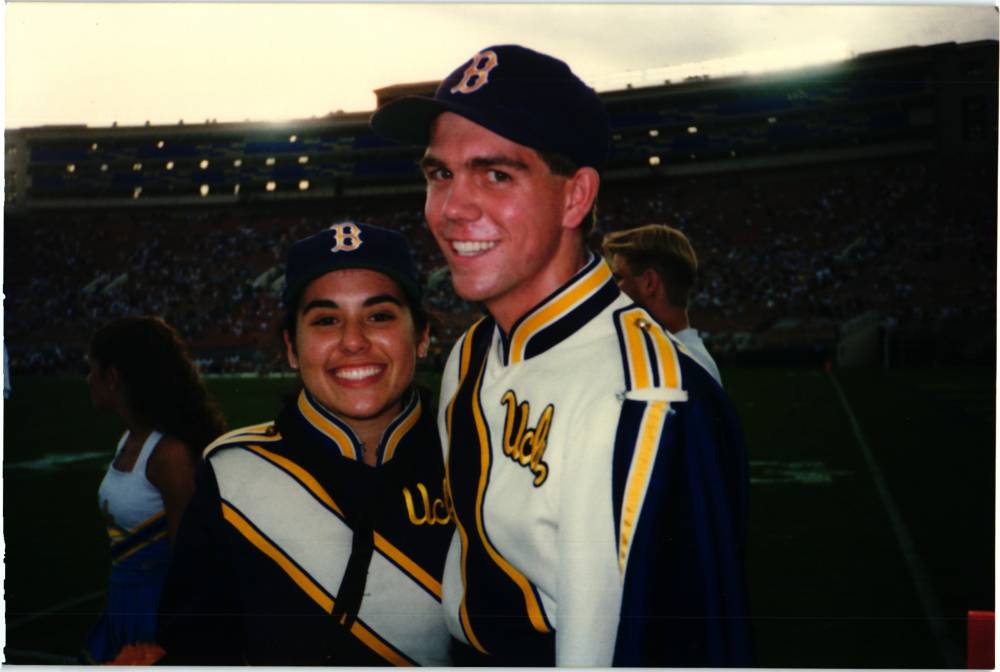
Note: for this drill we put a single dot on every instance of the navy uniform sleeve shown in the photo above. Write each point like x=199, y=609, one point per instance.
x=200, y=610
x=684, y=601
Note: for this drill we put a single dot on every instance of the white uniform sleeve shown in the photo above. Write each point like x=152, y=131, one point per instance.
x=451, y=583
x=449, y=383
x=589, y=583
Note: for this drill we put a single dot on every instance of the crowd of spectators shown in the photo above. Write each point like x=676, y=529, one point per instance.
x=913, y=239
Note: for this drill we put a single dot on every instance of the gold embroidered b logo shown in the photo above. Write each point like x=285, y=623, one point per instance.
x=477, y=74
x=346, y=237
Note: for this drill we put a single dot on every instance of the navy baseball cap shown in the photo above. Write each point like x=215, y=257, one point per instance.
x=523, y=95
x=350, y=245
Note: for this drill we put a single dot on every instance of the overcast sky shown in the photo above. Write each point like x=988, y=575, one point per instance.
x=99, y=63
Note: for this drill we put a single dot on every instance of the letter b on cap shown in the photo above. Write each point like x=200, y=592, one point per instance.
x=477, y=74
x=346, y=237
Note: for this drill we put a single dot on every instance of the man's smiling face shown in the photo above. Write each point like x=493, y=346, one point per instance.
x=498, y=213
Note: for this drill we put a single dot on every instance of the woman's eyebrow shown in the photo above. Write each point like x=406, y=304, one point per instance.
x=319, y=303
x=383, y=298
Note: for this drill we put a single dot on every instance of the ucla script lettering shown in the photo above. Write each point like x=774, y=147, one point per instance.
x=437, y=512
x=524, y=445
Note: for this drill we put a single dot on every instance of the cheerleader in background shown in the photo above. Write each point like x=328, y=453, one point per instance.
x=140, y=371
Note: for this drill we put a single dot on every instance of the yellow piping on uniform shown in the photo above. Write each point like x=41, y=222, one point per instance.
x=639, y=473
x=376, y=645
x=400, y=432
x=254, y=432
x=324, y=425
x=315, y=592
x=120, y=535
x=638, y=358
x=670, y=373
x=463, y=612
x=410, y=567
x=534, y=609
x=300, y=474
x=556, y=309
x=156, y=537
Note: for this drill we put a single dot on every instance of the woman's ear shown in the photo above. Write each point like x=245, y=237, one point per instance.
x=424, y=342
x=293, y=359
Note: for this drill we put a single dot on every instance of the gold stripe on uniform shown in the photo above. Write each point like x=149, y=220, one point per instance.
x=384, y=545
x=300, y=474
x=315, y=592
x=311, y=588
x=556, y=309
x=466, y=358
x=535, y=614
x=409, y=566
x=119, y=535
x=378, y=646
x=639, y=473
x=156, y=537
x=635, y=346
x=400, y=432
x=254, y=432
x=670, y=375
x=324, y=425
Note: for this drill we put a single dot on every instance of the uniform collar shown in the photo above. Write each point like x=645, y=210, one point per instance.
x=329, y=428
x=562, y=313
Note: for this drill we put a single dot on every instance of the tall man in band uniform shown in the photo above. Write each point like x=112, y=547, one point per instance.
x=596, y=474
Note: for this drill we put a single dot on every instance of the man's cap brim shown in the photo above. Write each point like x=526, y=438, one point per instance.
x=408, y=120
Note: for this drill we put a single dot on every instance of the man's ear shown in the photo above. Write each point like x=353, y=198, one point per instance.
x=112, y=377
x=581, y=190
x=648, y=282
x=293, y=359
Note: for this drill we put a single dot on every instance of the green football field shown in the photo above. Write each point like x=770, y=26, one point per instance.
x=871, y=531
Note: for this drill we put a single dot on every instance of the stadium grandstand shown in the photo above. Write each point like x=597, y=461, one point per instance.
x=814, y=197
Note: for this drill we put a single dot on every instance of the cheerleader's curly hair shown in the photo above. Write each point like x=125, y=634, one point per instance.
x=162, y=383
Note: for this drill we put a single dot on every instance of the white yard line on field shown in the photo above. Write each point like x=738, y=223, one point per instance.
x=55, y=609
x=918, y=572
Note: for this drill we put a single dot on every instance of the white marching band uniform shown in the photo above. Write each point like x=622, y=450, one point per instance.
x=551, y=437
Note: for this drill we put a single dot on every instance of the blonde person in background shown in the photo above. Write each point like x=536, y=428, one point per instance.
x=656, y=266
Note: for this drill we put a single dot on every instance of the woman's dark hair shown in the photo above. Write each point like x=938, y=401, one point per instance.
x=162, y=384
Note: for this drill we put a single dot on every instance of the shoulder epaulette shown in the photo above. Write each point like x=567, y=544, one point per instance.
x=649, y=355
x=652, y=376
x=262, y=433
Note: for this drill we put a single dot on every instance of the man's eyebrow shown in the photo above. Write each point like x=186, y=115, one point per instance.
x=499, y=160
x=429, y=161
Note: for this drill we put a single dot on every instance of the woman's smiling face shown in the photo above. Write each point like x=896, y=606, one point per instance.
x=356, y=345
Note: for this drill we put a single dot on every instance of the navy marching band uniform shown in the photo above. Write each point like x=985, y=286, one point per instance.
x=600, y=509
x=294, y=552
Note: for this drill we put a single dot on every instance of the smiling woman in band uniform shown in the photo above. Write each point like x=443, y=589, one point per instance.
x=320, y=538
